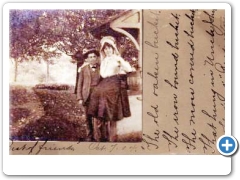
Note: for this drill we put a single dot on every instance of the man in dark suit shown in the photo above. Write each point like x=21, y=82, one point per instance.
x=89, y=77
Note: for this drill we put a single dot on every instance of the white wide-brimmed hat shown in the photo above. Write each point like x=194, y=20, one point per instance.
x=110, y=40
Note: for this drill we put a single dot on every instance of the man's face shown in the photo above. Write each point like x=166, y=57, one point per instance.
x=92, y=58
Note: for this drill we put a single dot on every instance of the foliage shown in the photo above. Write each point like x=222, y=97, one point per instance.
x=53, y=86
x=20, y=95
x=59, y=104
x=18, y=113
x=27, y=42
x=52, y=129
x=128, y=51
x=45, y=33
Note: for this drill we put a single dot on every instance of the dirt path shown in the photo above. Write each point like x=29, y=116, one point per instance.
x=134, y=122
x=25, y=107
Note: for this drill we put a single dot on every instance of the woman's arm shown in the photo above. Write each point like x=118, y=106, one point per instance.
x=125, y=66
x=103, y=69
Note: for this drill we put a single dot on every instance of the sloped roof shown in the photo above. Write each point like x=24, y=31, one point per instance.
x=104, y=29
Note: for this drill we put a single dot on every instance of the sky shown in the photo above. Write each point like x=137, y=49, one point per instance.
x=63, y=71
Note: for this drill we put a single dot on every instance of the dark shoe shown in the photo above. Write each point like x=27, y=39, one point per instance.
x=104, y=140
x=93, y=140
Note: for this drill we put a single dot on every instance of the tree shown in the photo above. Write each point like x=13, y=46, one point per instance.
x=26, y=42
x=45, y=34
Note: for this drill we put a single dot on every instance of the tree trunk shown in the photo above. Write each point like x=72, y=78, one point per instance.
x=47, y=78
x=16, y=71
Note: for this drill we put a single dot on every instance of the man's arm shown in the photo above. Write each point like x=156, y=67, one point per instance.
x=80, y=85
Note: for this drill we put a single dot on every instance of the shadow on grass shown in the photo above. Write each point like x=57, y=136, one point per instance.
x=130, y=137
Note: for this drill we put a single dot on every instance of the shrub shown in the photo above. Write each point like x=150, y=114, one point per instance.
x=51, y=129
x=53, y=86
x=18, y=95
x=18, y=113
x=61, y=104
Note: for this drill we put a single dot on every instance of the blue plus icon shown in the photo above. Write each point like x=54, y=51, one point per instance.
x=227, y=145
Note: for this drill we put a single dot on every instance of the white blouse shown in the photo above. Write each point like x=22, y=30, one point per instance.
x=114, y=65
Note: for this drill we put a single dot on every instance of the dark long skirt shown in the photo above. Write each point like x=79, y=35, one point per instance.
x=109, y=100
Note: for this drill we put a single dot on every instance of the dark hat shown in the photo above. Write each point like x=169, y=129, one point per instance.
x=89, y=51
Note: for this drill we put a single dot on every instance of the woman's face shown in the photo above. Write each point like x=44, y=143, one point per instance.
x=108, y=50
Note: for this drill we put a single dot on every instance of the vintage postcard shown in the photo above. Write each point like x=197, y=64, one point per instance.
x=91, y=81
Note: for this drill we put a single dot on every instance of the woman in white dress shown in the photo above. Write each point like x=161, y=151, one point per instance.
x=109, y=101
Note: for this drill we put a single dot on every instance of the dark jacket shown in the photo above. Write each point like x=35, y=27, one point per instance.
x=84, y=83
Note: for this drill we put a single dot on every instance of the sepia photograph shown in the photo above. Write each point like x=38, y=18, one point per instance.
x=116, y=81
x=75, y=75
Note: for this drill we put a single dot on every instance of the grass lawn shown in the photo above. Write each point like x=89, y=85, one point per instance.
x=53, y=114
